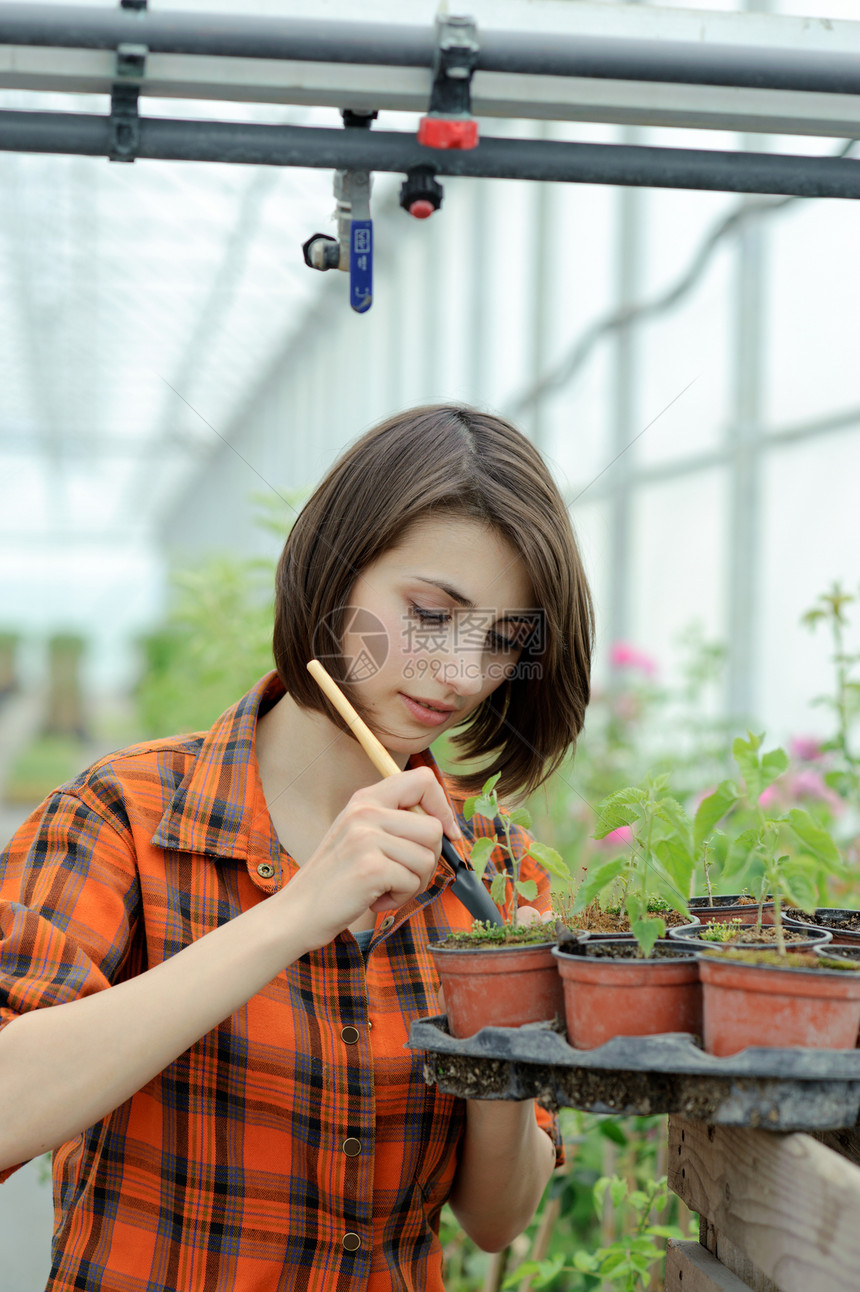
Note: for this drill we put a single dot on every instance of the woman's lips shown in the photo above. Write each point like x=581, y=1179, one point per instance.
x=430, y=717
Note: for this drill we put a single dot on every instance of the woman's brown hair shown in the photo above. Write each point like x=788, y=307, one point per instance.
x=448, y=460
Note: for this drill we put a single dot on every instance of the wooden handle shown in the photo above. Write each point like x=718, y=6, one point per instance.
x=375, y=750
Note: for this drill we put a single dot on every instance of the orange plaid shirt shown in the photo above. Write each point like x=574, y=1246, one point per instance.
x=294, y=1146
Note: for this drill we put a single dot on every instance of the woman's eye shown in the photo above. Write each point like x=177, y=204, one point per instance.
x=497, y=642
x=432, y=618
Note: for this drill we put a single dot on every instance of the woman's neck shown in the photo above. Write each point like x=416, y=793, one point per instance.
x=301, y=753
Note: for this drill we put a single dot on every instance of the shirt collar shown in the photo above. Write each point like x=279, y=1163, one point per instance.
x=209, y=811
x=213, y=810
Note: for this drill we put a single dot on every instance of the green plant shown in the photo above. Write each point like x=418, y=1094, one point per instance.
x=627, y=1260
x=506, y=885
x=217, y=638
x=569, y=1218
x=658, y=864
x=830, y=609
x=721, y=931
x=781, y=855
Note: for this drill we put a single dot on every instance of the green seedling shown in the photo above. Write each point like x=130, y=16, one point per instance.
x=721, y=931
x=757, y=853
x=507, y=888
x=626, y=1262
x=658, y=864
x=830, y=609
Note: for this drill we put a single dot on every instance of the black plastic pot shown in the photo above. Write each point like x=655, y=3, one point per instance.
x=728, y=906
x=816, y=938
x=832, y=918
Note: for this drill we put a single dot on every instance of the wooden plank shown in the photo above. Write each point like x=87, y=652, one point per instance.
x=787, y=1202
x=731, y=1256
x=691, y=1268
x=844, y=1142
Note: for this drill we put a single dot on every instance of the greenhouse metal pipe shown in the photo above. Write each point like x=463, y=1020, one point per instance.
x=535, y=159
x=396, y=45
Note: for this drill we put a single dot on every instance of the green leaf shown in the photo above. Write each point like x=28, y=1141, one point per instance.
x=617, y=1190
x=712, y=809
x=610, y=1130
x=490, y=785
x=746, y=756
x=647, y=931
x=741, y=852
x=598, y=879
x=481, y=852
x=818, y=840
x=678, y=864
x=499, y=888
x=797, y=881
x=621, y=808
x=551, y=860
x=527, y=888
x=522, y=817
x=548, y=1270
x=584, y=1262
x=773, y=765
x=486, y=807
x=469, y=807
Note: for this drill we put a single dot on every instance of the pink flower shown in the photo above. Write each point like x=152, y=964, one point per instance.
x=770, y=796
x=622, y=837
x=623, y=655
x=808, y=784
x=806, y=749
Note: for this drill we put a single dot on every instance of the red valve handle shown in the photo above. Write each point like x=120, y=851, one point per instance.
x=442, y=132
x=421, y=208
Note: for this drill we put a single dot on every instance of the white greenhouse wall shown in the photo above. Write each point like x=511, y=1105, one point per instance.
x=455, y=317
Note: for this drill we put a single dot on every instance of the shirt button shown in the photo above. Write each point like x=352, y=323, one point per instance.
x=387, y=923
x=351, y=1242
x=349, y=1035
x=352, y=1147
x=265, y=870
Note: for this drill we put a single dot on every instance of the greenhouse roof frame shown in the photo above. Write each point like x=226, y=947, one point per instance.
x=737, y=71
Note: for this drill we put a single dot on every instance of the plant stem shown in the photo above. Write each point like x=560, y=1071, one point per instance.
x=842, y=720
x=515, y=869
x=777, y=919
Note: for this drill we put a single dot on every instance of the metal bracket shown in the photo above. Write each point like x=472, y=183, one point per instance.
x=124, y=139
x=449, y=122
x=352, y=250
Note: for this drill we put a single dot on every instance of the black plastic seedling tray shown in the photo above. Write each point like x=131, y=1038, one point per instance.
x=776, y=1089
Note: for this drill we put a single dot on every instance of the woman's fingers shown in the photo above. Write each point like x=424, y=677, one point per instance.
x=379, y=852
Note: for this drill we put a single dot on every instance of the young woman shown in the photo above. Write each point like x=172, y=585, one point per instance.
x=231, y=928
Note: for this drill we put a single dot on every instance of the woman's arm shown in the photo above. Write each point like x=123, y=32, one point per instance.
x=505, y=1163
x=64, y=1067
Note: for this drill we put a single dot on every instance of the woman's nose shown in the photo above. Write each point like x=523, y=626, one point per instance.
x=463, y=671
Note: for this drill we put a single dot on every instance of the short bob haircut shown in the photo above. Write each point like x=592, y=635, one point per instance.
x=448, y=460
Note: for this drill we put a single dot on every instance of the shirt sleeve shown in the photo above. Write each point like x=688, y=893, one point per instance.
x=68, y=908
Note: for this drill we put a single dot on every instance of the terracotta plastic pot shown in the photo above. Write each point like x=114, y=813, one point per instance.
x=594, y=936
x=498, y=986
x=814, y=938
x=606, y=997
x=746, y=1005
x=838, y=951
x=831, y=918
x=730, y=908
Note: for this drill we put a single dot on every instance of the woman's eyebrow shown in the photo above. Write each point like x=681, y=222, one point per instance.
x=449, y=591
x=470, y=605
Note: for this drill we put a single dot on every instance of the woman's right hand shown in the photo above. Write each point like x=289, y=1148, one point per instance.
x=377, y=855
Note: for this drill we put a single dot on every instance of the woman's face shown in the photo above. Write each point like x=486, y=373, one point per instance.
x=434, y=626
